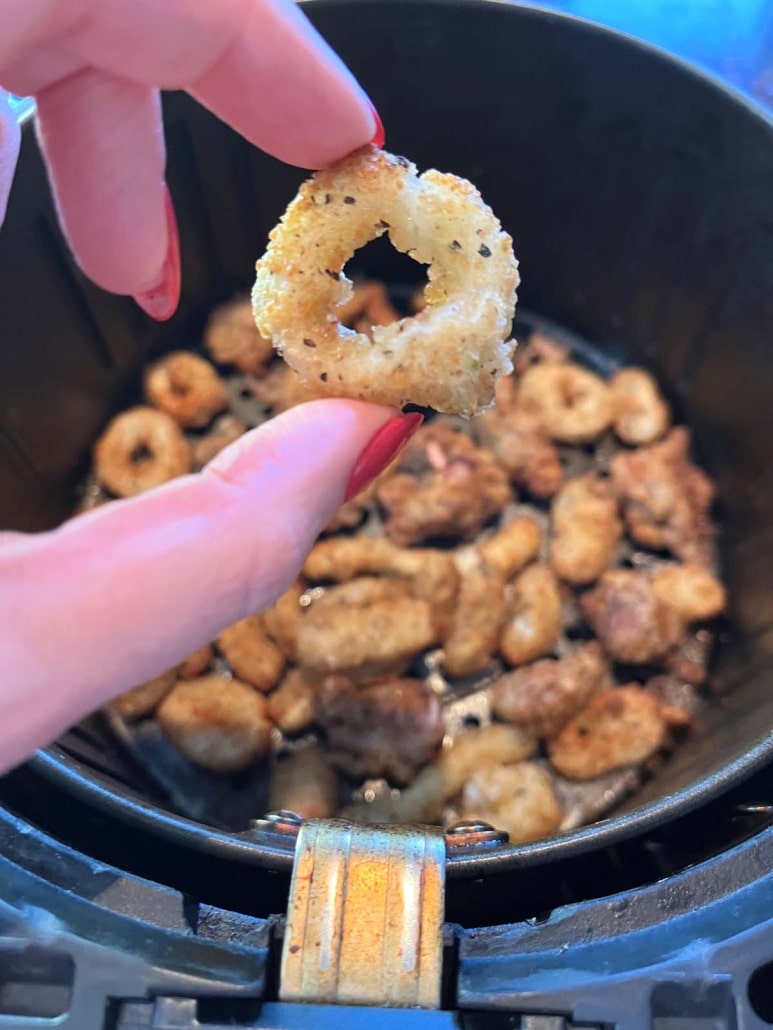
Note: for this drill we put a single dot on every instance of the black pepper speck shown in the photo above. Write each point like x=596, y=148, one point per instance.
x=484, y=251
x=349, y=200
x=456, y=245
x=309, y=343
x=323, y=376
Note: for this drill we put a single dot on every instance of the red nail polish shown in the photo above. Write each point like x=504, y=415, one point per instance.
x=161, y=301
x=379, y=137
x=385, y=445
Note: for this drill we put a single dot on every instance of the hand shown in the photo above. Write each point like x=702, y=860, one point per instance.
x=117, y=596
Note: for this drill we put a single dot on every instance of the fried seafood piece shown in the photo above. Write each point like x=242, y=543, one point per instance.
x=518, y=799
x=224, y=431
x=542, y=697
x=522, y=446
x=216, y=722
x=574, y=405
x=539, y=349
x=512, y=546
x=369, y=306
x=691, y=590
x=473, y=751
x=196, y=663
x=532, y=617
x=232, y=338
x=432, y=574
x=251, y=653
x=665, y=498
x=444, y=486
x=619, y=727
x=630, y=619
x=144, y=699
x=291, y=706
x=304, y=782
x=477, y=620
x=586, y=529
x=355, y=629
x=186, y=387
x=281, y=389
x=140, y=449
x=283, y=619
x=388, y=729
x=641, y=414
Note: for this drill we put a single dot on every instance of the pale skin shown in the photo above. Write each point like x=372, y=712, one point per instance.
x=113, y=598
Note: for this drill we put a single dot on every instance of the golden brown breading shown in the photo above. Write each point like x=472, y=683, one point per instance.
x=304, y=782
x=541, y=698
x=444, y=486
x=251, y=653
x=532, y=622
x=522, y=446
x=216, y=722
x=641, y=414
x=629, y=618
x=282, y=620
x=518, y=799
x=665, y=499
x=196, y=663
x=512, y=546
x=140, y=449
x=618, y=727
x=586, y=529
x=291, y=705
x=472, y=640
x=232, y=338
x=694, y=592
x=186, y=387
x=142, y=700
x=387, y=729
x=281, y=389
x=574, y=405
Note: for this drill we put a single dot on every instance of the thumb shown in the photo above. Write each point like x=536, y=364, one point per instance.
x=113, y=598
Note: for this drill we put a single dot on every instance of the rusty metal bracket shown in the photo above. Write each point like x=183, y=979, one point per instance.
x=365, y=916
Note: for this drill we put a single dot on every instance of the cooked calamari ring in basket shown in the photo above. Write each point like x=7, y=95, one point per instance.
x=449, y=355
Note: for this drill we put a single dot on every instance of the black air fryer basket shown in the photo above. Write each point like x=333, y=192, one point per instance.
x=640, y=198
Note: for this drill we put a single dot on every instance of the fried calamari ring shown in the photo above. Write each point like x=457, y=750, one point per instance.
x=449, y=355
x=186, y=387
x=140, y=449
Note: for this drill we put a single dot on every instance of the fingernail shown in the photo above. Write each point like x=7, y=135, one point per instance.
x=161, y=301
x=379, y=137
x=385, y=445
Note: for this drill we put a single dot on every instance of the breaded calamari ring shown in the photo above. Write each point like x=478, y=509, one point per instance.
x=232, y=338
x=574, y=405
x=251, y=653
x=448, y=356
x=186, y=387
x=140, y=449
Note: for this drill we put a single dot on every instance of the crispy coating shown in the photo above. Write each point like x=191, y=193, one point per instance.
x=532, y=622
x=216, y=722
x=539, y=349
x=387, y=729
x=444, y=487
x=694, y=592
x=251, y=653
x=186, y=387
x=574, y=405
x=282, y=620
x=225, y=430
x=472, y=751
x=196, y=663
x=586, y=529
x=291, y=706
x=364, y=634
x=512, y=546
x=141, y=448
x=629, y=618
x=432, y=574
x=476, y=623
x=665, y=499
x=305, y=783
x=518, y=799
x=541, y=698
x=232, y=338
x=144, y=699
x=522, y=446
x=641, y=414
x=618, y=727
x=369, y=306
x=448, y=356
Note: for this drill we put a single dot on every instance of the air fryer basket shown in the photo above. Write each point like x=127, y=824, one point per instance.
x=639, y=196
